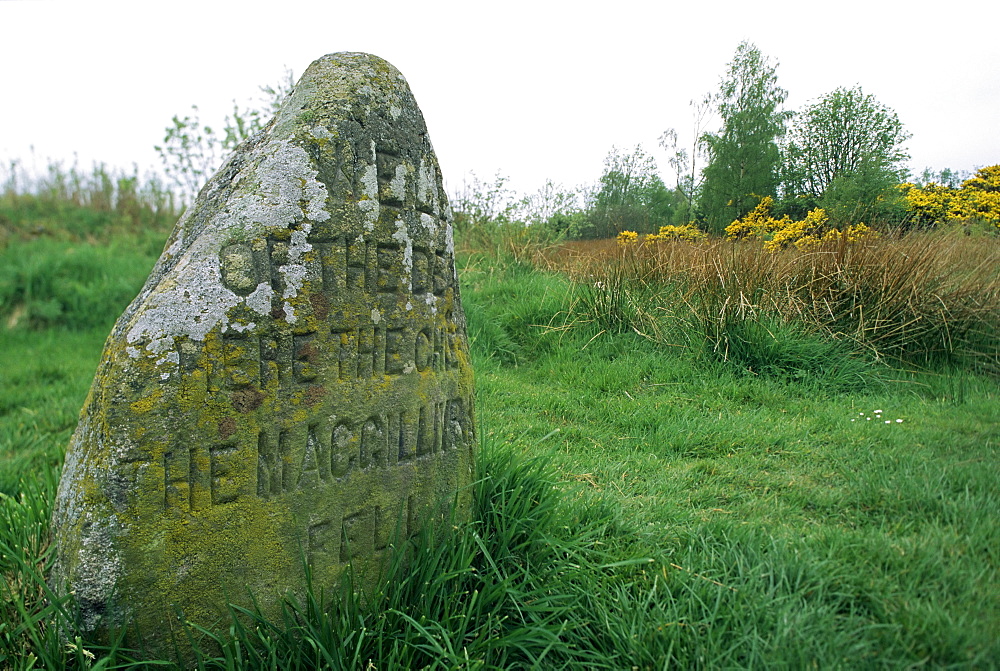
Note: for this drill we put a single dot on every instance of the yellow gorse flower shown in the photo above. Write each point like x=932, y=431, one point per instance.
x=687, y=232
x=627, y=237
x=780, y=233
x=977, y=198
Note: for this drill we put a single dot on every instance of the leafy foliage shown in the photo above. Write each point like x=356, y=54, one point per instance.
x=845, y=132
x=845, y=153
x=687, y=162
x=630, y=195
x=745, y=161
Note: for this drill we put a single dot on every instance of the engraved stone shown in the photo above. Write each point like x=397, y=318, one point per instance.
x=292, y=385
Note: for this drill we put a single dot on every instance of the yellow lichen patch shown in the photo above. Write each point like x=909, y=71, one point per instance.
x=147, y=403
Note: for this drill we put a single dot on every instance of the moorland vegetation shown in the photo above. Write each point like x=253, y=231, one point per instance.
x=773, y=445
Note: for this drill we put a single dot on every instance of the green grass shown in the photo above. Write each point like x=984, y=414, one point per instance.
x=640, y=503
x=44, y=377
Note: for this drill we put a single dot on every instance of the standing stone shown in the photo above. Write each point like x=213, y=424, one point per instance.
x=292, y=385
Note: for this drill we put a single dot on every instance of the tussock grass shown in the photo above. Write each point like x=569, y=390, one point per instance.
x=921, y=299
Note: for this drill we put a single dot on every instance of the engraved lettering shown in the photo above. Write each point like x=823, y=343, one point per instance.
x=268, y=466
x=278, y=252
x=200, y=477
x=225, y=487
x=343, y=451
x=268, y=360
x=390, y=265
x=176, y=474
x=423, y=351
x=319, y=537
x=359, y=264
x=309, y=470
x=236, y=264
x=394, y=363
x=238, y=361
x=374, y=448
x=333, y=262
x=305, y=367
x=366, y=352
x=421, y=278
x=442, y=274
x=455, y=431
x=403, y=439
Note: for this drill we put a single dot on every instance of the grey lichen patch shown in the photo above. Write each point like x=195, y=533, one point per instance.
x=97, y=553
x=427, y=189
x=281, y=191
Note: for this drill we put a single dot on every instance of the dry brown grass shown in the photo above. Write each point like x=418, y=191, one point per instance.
x=918, y=298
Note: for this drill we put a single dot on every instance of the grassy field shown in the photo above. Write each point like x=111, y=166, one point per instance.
x=666, y=481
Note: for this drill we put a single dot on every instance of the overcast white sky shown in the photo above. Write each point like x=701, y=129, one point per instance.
x=536, y=90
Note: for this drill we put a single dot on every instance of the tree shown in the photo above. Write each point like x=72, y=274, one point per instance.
x=685, y=163
x=946, y=177
x=630, y=196
x=744, y=158
x=551, y=200
x=191, y=151
x=845, y=135
x=481, y=203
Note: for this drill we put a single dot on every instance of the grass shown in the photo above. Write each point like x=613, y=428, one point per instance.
x=649, y=495
x=919, y=299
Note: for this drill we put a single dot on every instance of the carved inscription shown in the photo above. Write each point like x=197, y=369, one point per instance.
x=289, y=461
x=293, y=381
x=195, y=478
x=372, y=351
x=361, y=532
x=341, y=264
x=373, y=315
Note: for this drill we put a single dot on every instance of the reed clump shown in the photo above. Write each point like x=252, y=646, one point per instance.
x=921, y=299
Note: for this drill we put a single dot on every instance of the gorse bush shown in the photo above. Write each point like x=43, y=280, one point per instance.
x=669, y=233
x=812, y=230
x=978, y=199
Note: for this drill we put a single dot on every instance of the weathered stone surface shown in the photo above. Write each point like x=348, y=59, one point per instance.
x=292, y=382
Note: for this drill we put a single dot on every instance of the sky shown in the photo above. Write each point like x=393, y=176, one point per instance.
x=531, y=90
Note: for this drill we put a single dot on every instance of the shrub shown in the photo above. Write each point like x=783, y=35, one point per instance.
x=780, y=233
x=977, y=199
